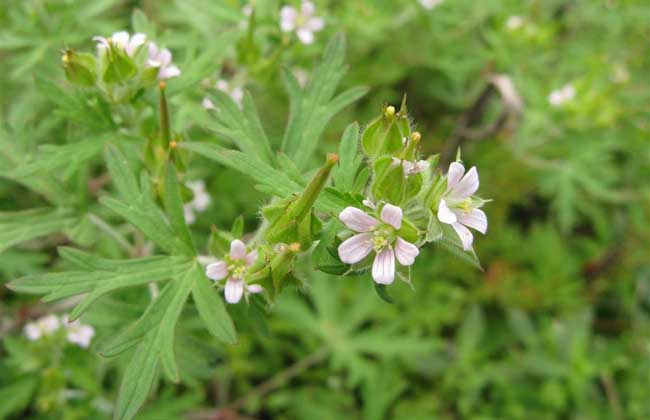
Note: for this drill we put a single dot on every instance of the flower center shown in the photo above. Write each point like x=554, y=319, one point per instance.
x=237, y=268
x=382, y=237
x=465, y=205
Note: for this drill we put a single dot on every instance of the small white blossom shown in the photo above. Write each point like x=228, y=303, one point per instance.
x=78, y=333
x=379, y=236
x=514, y=22
x=301, y=76
x=44, y=326
x=233, y=268
x=235, y=92
x=207, y=103
x=304, y=23
x=561, y=96
x=162, y=59
x=122, y=40
x=200, y=200
x=429, y=4
x=411, y=167
x=247, y=10
x=457, y=208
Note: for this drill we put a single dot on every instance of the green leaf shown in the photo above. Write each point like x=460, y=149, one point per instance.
x=312, y=108
x=213, y=311
x=174, y=207
x=22, y=226
x=242, y=126
x=349, y=159
x=16, y=396
x=383, y=293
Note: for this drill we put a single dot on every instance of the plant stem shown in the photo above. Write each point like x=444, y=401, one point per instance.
x=164, y=117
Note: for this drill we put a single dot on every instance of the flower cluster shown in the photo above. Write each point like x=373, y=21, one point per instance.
x=233, y=268
x=76, y=332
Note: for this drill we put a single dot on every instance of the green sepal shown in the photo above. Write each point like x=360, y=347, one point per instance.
x=119, y=66
x=80, y=68
x=382, y=136
x=219, y=241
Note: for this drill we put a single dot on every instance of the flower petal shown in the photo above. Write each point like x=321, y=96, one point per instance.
x=169, y=72
x=237, y=250
x=405, y=252
x=234, y=290
x=136, y=40
x=467, y=186
x=357, y=220
x=464, y=234
x=445, y=215
x=476, y=219
x=254, y=288
x=288, y=17
x=306, y=36
x=356, y=248
x=251, y=257
x=392, y=215
x=217, y=271
x=315, y=24
x=455, y=173
x=383, y=268
x=120, y=39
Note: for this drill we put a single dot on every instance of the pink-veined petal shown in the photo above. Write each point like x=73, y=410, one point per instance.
x=455, y=173
x=467, y=186
x=383, y=268
x=169, y=72
x=464, y=234
x=357, y=220
x=120, y=39
x=356, y=248
x=475, y=218
x=234, y=290
x=315, y=24
x=136, y=40
x=392, y=215
x=217, y=271
x=288, y=17
x=254, y=288
x=307, y=8
x=405, y=252
x=251, y=257
x=445, y=215
x=165, y=57
x=237, y=250
x=306, y=36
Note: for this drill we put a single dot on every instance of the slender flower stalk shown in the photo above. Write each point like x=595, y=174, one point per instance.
x=379, y=236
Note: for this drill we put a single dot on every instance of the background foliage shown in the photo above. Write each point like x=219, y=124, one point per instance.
x=556, y=326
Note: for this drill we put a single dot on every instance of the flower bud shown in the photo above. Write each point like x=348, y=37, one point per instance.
x=79, y=68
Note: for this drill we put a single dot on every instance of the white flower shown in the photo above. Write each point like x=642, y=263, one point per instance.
x=162, y=59
x=234, y=268
x=304, y=23
x=561, y=96
x=78, y=333
x=379, y=236
x=122, y=40
x=247, y=10
x=207, y=103
x=235, y=92
x=429, y=4
x=514, y=22
x=200, y=200
x=411, y=167
x=457, y=209
x=44, y=326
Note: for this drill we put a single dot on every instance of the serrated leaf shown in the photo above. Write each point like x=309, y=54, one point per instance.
x=174, y=207
x=349, y=159
x=22, y=226
x=212, y=311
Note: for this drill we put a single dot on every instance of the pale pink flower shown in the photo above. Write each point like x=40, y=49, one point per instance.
x=200, y=201
x=44, y=326
x=379, y=236
x=457, y=208
x=233, y=268
x=303, y=22
x=162, y=59
x=411, y=167
x=514, y=22
x=429, y=4
x=122, y=40
x=78, y=333
x=562, y=95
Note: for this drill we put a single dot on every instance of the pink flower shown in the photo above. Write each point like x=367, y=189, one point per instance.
x=411, y=167
x=303, y=22
x=379, y=236
x=234, y=268
x=162, y=58
x=457, y=208
x=122, y=40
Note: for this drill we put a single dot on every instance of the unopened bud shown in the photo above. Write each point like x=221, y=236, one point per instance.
x=79, y=68
x=294, y=247
x=389, y=112
x=416, y=136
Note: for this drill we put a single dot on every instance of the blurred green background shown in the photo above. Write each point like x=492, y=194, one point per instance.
x=549, y=99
